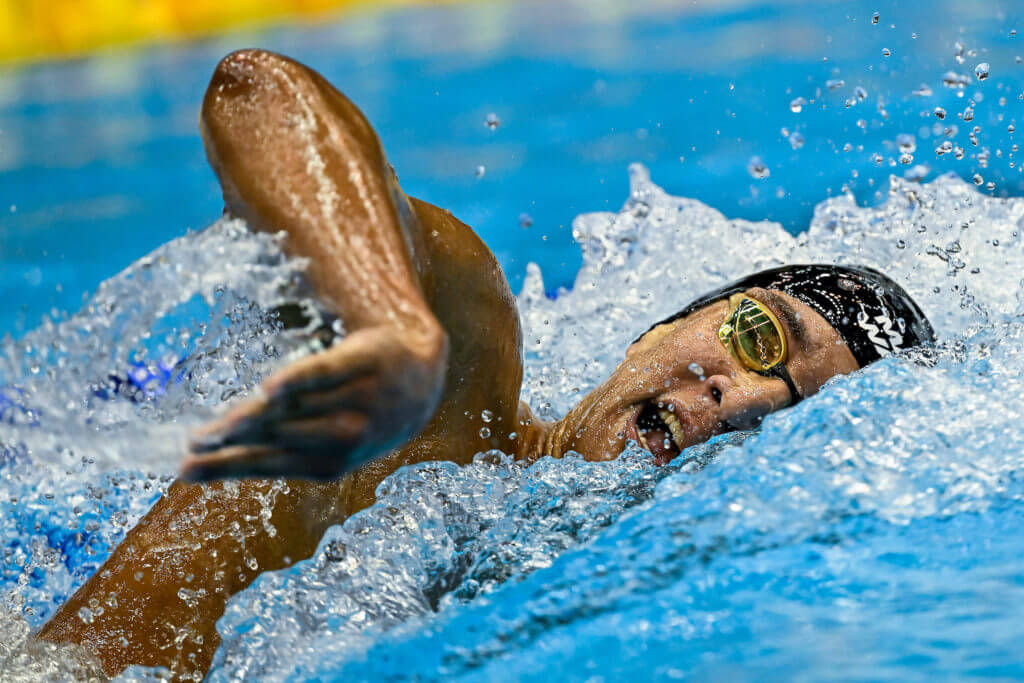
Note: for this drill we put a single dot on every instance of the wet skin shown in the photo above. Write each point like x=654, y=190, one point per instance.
x=433, y=340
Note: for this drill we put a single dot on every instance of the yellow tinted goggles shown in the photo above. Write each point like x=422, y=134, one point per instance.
x=756, y=339
x=752, y=334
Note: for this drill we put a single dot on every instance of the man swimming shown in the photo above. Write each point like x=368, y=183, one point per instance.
x=433, y=337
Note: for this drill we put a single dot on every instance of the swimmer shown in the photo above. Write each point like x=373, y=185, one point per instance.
x=433, y=340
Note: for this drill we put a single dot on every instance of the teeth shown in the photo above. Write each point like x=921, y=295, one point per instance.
x=674, y=427
x=643, y=440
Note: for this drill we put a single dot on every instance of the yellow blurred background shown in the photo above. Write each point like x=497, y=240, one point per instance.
x=33, y=29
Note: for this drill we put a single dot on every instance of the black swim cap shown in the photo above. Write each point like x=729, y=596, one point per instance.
x=874, y=315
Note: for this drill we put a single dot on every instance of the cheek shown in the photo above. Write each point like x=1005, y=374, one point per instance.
x=749, y=399
x=817, y=367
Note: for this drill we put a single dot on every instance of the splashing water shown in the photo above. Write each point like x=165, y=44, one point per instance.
x=874, y=529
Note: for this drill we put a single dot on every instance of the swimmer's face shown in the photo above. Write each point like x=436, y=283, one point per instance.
x=679, y=385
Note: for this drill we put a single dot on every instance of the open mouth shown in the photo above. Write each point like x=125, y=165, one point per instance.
x=660, y=432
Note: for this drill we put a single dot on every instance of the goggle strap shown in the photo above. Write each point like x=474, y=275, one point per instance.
x=782, y=373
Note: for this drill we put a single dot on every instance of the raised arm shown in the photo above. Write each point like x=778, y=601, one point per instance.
x=293, y=154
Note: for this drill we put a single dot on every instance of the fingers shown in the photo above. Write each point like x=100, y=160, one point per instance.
x=322, y=448
x=264, y=421
x=239, y=461
x=321, y=416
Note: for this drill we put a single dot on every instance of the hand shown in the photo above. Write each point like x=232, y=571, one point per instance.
x=325, y=415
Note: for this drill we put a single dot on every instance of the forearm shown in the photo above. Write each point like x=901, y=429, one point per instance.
x=156, y=600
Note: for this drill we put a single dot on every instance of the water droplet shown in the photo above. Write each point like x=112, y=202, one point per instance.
x=874, y=19
x=696, y=369
x=492, y=121
x=1010, y=128
x=850, y=101
x=958, y=53
x=797, y=105
x=86, y=615
x=923, y=90
x=968, y=114
x=796, y=140
x=480, y=170
x=940, y=112
x=906, y=143
x=906, y=158
x=860, y=92
x=886, y=52
x=525, y=220
x=945, y=147
x=955, y=81
x=978, y=180
x=990, y=185
x=981, y=71
x=335, y=551
x=486, y=416
x=757, y=169
x=862, y=124
x=834, y=83
x=900, y=244
x=485, y=433
x=917, y=173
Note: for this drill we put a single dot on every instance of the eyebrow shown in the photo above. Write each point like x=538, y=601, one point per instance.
x=788, y=314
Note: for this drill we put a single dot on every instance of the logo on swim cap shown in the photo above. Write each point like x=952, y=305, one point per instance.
x=880, y=332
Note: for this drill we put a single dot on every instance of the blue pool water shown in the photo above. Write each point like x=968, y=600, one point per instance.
x=872, y=532
x=100, y=159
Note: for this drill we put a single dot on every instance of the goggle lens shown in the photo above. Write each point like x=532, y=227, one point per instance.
x=754, y=335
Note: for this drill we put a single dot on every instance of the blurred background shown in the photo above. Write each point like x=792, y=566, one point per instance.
x=517, y=116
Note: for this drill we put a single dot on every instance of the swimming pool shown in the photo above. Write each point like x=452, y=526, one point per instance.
x=872, y=532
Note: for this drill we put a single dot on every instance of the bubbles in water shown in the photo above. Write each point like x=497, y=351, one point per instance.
x=485, y=433
x=796, y=139
x=757, y=168
x=981, y=71
x=834, y=83
x=492, y=121
x=860, y=93
x=525, y=220
x=923, y=90
x=958, y=52
x=906, y=158
x=874, y=19
x=944, y=147
x=978, y=180
x=480, y=170
x=797, y=105
x=486, y=416
x=940, y=113
x=886, y=52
